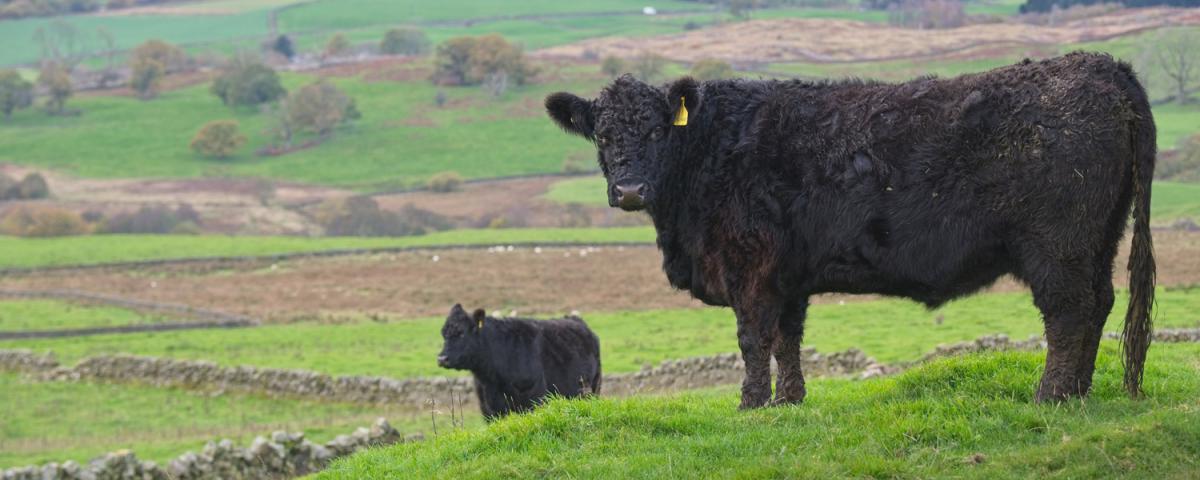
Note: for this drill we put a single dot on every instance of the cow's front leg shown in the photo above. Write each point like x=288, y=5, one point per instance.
x=789, y=386
x=757, y=325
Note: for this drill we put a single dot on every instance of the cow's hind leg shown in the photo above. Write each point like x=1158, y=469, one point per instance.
x=789, y=386
x=1103, y=288
x=757, y=326
x=1065, y=294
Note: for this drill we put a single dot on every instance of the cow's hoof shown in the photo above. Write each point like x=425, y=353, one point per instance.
x=778, y=401
x=752, y=403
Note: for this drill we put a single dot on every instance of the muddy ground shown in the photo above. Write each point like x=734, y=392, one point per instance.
x=548, y=281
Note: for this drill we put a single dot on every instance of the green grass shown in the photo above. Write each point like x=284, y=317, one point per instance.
x=58, y=421
x=481, y=138
x=924, y=423
x=96, y=249
x=24, y=315
x=889, y=330
x=1171, y=200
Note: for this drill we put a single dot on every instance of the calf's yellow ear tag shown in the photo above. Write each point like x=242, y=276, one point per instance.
x=480, y=324
x=681, y=118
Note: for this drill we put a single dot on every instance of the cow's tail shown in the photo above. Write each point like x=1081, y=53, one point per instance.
x=1135, y=340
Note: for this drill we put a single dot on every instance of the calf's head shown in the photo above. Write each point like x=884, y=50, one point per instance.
x=633, y=126
x=461, y=339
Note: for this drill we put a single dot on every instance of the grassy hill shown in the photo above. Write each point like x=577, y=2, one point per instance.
x=968, y=417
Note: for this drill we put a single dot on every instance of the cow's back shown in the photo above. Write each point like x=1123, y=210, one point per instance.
x=570, y=357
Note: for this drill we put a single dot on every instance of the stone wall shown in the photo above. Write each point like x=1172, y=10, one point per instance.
x=283, y=455
x=671, y=375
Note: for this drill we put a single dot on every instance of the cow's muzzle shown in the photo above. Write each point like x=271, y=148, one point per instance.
x=443, y=361
x=629, y=196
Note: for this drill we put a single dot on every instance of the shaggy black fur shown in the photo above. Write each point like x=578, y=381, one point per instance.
x=931, y=189
x=517, y=362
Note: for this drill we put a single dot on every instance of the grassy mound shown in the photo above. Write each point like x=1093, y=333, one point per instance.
x=965, y=417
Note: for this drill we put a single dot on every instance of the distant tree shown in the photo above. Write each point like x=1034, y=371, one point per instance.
x=109, y=74
x=474, y=60
x=283, y=46
x=337, y=45
x=612, y=66
x=648, y=66
x=319, y=108
x=172, y=58
x=1177, y=55
x=247, y=81
x=218, y=139
x=404, y=41
x=742, y=8
x=57, y=82
x=62, y=44
x=710, y=69
x=445, y=182
x=146, y=76
x=16, y=93
x=41, y=221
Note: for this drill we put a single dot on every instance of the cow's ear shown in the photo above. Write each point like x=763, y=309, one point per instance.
x=683, y=96
x=479, y=316
x=572, y=114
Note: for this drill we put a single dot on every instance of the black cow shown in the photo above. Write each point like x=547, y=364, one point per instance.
x=517, y=362
x=764, y=193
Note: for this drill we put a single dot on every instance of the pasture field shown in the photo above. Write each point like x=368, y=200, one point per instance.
x=98, y=249
x=889, y=330
x=969, y=417
x=58, y=421
x=25, y=315
x=1170, y=201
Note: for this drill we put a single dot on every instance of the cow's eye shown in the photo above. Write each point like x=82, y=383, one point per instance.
x=657, y=133
x=602, y=140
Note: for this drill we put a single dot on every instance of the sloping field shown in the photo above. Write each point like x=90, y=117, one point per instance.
x=968, y=417
x=834, y=41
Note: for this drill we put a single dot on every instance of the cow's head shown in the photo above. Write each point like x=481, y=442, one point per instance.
x=632, y=125
x=461, y=339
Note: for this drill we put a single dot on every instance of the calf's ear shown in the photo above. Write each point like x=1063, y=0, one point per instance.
x=572, y=114
x=683, y=96
x=479, y=316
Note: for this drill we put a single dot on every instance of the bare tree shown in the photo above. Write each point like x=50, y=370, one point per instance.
x=61, y=43
x=1179, y=60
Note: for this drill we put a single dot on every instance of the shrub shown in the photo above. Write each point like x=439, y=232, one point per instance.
x=8, y=187
x=26, y=221
x=153, y=219
x=576, y=163
x=710, y=69
x=33, y=187
x=361, y=216
x=1183, y=165
x=612, y=66
x=172, y=58
x=445, y=182
x=16, y=93
x=218, y=139
x=648, y=66
x=247, y=81
x=57, y=82
x=404, y=41
x=338, y=45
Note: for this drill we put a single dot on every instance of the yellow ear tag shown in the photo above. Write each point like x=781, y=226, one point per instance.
x=681, y=117
x=481, y=324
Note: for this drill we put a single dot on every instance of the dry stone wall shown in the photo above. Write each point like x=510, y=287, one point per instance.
x=282, y=455
x=417, y=393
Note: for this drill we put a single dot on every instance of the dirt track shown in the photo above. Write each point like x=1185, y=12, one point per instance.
x=553, y=281
x=837, y=41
